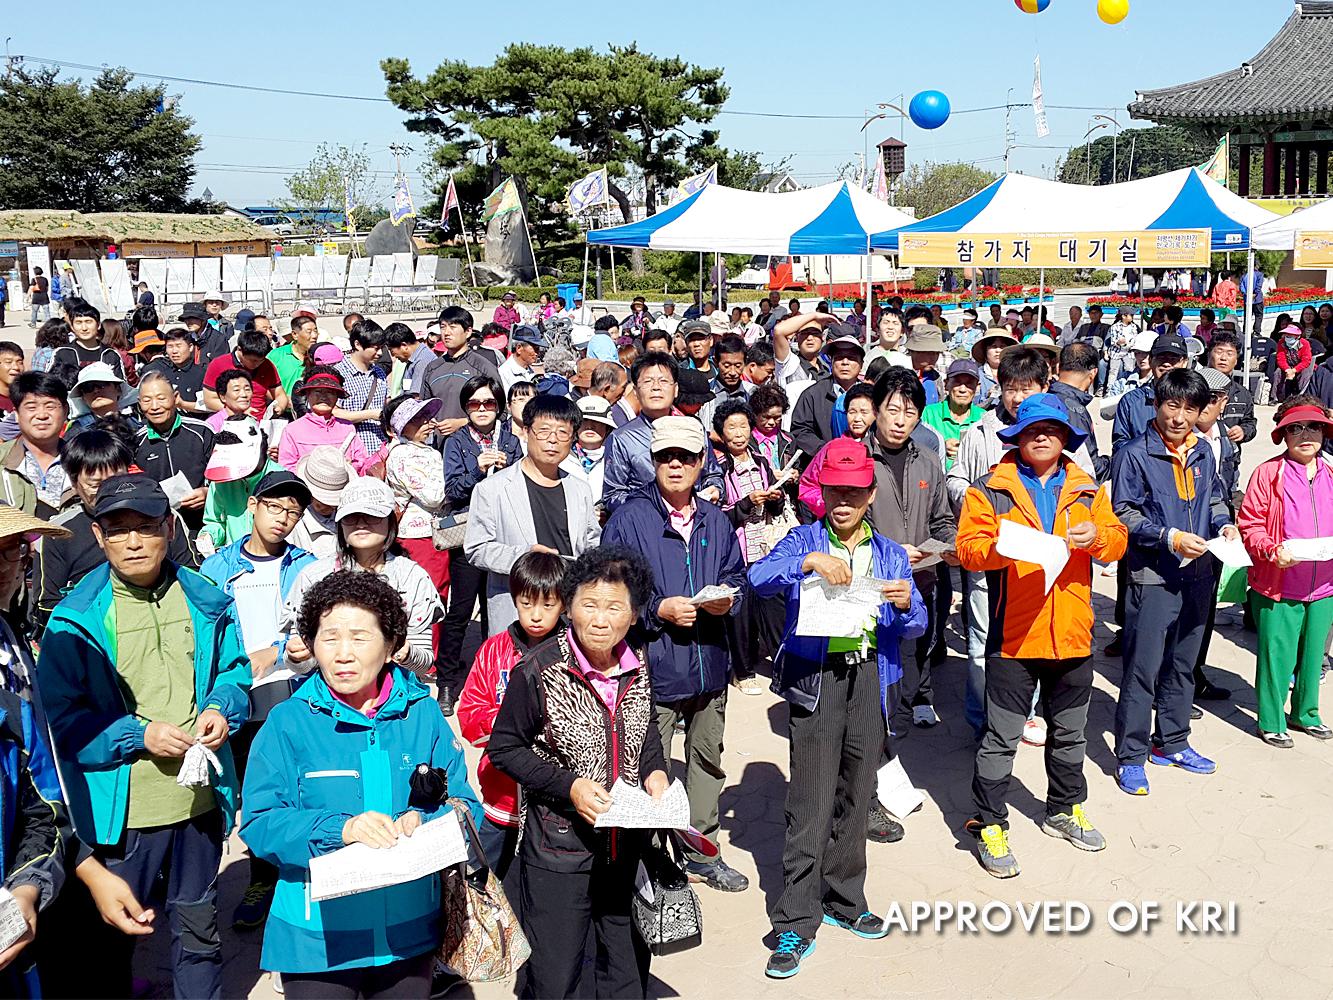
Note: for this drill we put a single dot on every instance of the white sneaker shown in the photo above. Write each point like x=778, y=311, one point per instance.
x=1034, y=734
x=750, y=685
x=924, y=715
x=277, y=982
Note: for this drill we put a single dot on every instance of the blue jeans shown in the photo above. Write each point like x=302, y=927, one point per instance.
x=45, y=308
x=191, y=850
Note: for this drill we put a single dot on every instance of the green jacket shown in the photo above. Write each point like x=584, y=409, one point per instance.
x=227, y=519
x=96, y=737
x=939, y=416
x=15, y=489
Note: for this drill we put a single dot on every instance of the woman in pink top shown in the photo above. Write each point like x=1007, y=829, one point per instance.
x=1290, y=497
x=860, y=418
x=1293, y=363
x=322, y=388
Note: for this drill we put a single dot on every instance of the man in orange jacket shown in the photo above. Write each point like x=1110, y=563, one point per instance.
x=1038, y=634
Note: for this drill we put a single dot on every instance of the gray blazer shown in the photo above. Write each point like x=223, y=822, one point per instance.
x=500, y=529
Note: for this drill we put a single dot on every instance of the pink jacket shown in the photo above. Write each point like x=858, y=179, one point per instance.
x=1260, y=526
x=305, y=434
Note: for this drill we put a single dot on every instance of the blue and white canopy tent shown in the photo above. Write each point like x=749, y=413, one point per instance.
x=1181, y=199
x=832, y=219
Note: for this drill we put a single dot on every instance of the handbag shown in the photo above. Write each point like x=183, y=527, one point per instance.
x=1235, y=581
x=665, y=910
x=778, y=527
x=482, y=940
x=447, y=530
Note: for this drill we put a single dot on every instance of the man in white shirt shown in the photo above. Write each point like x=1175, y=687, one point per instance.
x=526, y=344
x=668, y=321
x=1069, y=329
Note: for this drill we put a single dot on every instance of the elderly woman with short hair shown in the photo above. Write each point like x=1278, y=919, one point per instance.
x=578, y=717
x=333, y=767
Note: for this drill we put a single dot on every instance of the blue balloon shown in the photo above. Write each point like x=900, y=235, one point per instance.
x=929, y=109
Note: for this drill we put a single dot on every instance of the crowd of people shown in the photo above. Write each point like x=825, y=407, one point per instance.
x=265, y=550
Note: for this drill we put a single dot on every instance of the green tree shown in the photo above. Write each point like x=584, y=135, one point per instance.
x=107, y=148
x=326, y=180
x=547, y=116
x=1154, y=150
x=933, y=187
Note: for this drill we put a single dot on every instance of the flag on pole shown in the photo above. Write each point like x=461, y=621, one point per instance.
x=1219, y=163
x=589, y=192
x=502, y=200
x=450, y=201
x=1039, y=105
x=347, y=205
x=879, y=187
x=696, y=183
x=402, y=202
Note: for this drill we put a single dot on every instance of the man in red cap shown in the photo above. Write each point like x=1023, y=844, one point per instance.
x=839, y=690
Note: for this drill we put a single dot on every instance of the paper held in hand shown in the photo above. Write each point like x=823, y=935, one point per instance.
x=1309, y=549
x=895, y=791
x=633, y=808
x=360, y=868
x=1024, y=544
x=713, y=592
x=1231, y=552
x=838, y=612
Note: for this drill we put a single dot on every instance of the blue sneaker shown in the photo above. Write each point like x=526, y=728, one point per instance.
x=786, y=958
x=1189, y=759
x=867, y=925
x=1131, y=779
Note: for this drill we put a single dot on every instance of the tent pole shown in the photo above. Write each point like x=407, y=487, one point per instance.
x=1041, y=293
x=615, y=289
x=1249, y=309
x=584, y=287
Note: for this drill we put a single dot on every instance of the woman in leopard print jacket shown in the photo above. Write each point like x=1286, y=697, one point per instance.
x=577, y=718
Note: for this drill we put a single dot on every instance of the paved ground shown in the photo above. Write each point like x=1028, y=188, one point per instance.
x=1256, y=833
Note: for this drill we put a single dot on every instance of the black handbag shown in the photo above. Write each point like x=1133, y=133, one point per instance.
x=672, y=920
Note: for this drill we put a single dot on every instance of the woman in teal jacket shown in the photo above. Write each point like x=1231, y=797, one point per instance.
x=332, y=767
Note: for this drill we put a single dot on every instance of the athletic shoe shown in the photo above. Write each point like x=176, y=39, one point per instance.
x=1034, y=733
x=1196, y=713
x=881, y=827
x=993, y=851
x=750, y=685
x=1208, y=691
x=1132, y=779
x=277, y=984
x=1282, y=741
x=1113, y=647
x=867, y=925
x=924, y=715
x=252, y=911
x=443, y=981
x=1319, y=732
x=786, y=958
x=1074, y=827
x=1188, y=759
x=717, y=874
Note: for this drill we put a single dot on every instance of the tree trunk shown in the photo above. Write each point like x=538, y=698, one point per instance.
x=622, y=199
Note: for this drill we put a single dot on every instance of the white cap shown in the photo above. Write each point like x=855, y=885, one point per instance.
x=580, y=335
x=366, y=495
x=1144, y=341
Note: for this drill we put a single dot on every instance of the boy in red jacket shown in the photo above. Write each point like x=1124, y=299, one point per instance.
x=534, y=583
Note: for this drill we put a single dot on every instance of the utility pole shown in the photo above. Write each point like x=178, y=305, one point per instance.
x=1008, y=136
x=10, y=61
x=398, y=150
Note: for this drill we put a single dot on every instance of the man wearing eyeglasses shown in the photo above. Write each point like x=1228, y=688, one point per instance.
x=691, y=545
x=533, y=506
x=258, y=572
x=147, y=633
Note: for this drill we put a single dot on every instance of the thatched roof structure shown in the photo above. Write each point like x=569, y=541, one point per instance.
x=41, y=226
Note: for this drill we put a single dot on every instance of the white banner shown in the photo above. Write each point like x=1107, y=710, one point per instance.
x=1038, y=105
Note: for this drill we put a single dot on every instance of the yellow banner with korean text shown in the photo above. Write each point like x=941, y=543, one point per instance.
x=1314, y=249
x=1146, y=248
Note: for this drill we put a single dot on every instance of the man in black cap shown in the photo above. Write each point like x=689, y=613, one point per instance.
x=146, y=633
x=526, y=347
x=210, y=340
x=257, y=572
x=699, y=342
x=812, y=418
x=1136, y=408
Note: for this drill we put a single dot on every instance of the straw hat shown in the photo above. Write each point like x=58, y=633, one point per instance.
x=14, y=522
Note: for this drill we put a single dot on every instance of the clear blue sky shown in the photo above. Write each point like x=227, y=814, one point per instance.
x=779, y=57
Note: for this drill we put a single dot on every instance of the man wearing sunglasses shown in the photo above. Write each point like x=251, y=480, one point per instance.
x=691, y=545
x=144, y=632
x=258, y=572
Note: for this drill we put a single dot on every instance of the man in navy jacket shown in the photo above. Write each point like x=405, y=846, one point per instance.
x=691, y=545
x=840, y=691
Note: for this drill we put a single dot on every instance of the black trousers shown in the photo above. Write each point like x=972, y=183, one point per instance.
x=1066, y=688
x=1164, y=625
x=1211, y=624
x=835, y=752
x=558, y=909
x=405, y=979
x=466, y=584
x=756, y=630
x=932, y=648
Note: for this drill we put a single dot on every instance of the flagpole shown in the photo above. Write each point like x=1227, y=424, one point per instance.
x=463, y=226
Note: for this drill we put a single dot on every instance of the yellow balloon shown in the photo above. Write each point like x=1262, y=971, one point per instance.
x=1112, y=11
